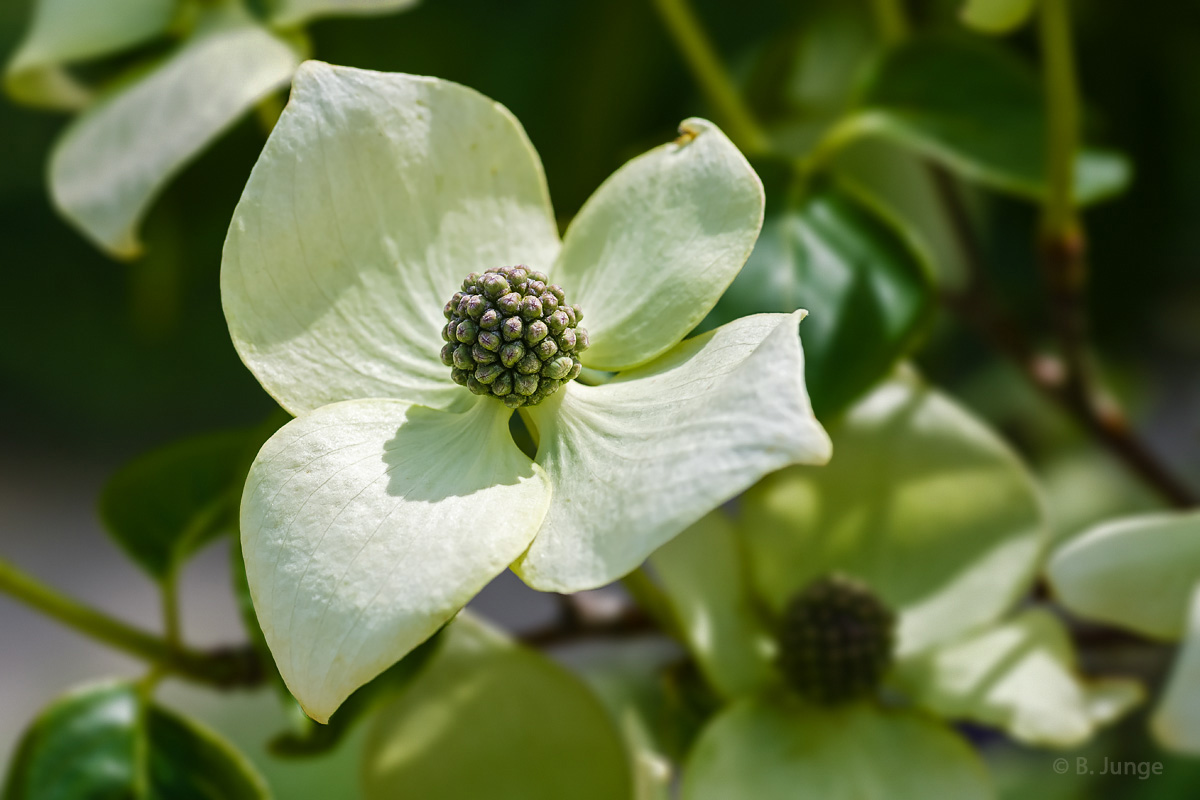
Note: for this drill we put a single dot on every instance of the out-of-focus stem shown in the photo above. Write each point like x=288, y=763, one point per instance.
x=710, y=74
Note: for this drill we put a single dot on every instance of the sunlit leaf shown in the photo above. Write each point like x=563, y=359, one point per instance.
x=107, y=741
x=116, y=157
x=489, y=718
x=975, y=109
x=865, y=285
x=996, y=16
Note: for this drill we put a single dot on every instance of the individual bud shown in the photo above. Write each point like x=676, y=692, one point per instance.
x=519, y=276
x=448, y=354
x=515, y=400
x=512, y=328
x=466, y=331
x=488, y=373
x=469, y=282
x=511, y=353
x=482, y=355
x=535, y=288
x=540, y=277
x=446, y=337
x=495, y=286
x=546, y=349
x=531, y=308
x=503, y=384
x=578, y=313
x=476, y=387
x=558, y=293
x=536, y=331
x=572, y=320
x=529, y=364
x=558, y=369
x=463, y=359
x=488, y=340
x=557, y=321
x=476, y=306
x=509, y=304
x=460, y=376
x=525, y=384
x=491, y=319
x=549, y=303
x=581, y=340
x=568, y=339
x=575, y=370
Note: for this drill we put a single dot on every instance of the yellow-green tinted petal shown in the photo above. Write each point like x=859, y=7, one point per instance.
x=704, y=577
x=772, y=749
x=374, y=197
x=287, y=13
x=367, y=524
x=488, y=718
x=921, y=500
x=63, y=31
x=1137, y=572
x=655, y=247
x=118, y=155
x=1176, y=722
x=1021, y=676
x=637, y=460
x=996, y=16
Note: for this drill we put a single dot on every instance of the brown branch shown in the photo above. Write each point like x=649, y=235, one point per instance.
x=1068, y=381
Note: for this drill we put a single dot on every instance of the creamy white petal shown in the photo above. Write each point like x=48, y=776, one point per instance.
x=118, y=155
x=637, y=460
x=367, y=524
x=374, y=197
x=297, y=12
x=656, y=246
x=1176, y=721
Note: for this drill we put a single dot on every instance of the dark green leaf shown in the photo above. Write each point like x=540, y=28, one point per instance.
x=976, y=109
x=866, y=289
x=166, y=504
x=108, y=743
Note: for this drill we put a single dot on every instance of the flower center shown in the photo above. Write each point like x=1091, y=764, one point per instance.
x=511, y=335
x=836, y=640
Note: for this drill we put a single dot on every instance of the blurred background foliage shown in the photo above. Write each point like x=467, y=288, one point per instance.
x=103, y=359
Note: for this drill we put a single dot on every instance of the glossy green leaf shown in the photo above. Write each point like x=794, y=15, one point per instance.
x=704, y=575
x=1021, y=676
x=107, y=741
x=973, y=108
x=64, y=31
x=921, y=500
x=489, y=718
x=116, y=157
x=866, y=287
x=168, y=503
x=779, y=749
x=1138, y=572
x=996, y=16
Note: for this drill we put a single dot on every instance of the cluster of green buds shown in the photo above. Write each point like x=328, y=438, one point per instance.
x=510, y=334
x=836, y=641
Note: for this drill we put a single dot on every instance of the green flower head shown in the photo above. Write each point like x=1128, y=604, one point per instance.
x=393, y=276
x=849, y=615
x=1143, y=573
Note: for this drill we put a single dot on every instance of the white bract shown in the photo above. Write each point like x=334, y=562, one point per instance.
x=924, y=505
x=396, y=495
x=1143, y=573
x=137, y=131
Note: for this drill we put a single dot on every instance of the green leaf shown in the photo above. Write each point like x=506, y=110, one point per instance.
x=779, y=749
x=704, y=575
x=866, y=287
x=996, y=16
x=921, y=500
x=1020, y=675
x=107, y=741
x=119, y=154
x=490, y=718
x=978, y=111
x=166, y=504
x=65, y=31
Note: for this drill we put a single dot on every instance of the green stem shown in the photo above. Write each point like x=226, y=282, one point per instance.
x=223, y=668
x=892, y=20
x=650, y=598
x=1059, y=216
x=737, y=118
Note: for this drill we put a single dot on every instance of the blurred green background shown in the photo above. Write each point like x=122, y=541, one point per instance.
x=100, y=360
